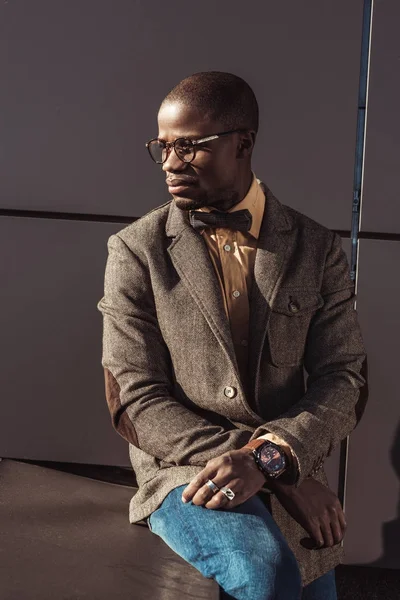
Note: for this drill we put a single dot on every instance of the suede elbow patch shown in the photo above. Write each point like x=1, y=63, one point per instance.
x=121, y=422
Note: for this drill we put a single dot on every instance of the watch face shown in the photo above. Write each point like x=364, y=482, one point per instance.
x=271, y=459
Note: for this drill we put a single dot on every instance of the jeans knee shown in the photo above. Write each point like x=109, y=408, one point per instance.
x=255, y=576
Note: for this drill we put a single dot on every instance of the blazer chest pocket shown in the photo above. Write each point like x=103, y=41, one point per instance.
x=290, y=318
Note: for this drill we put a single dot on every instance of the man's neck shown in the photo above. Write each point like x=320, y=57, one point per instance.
x=243, y=190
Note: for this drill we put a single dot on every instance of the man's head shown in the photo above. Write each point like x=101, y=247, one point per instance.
x=199, y=106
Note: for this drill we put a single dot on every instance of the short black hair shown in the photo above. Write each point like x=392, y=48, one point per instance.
x=224, y=96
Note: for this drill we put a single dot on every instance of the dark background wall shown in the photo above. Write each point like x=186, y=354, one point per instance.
x=373, y=471
x=81, y=86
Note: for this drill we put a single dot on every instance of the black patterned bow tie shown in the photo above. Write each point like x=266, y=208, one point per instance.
x=239, y=220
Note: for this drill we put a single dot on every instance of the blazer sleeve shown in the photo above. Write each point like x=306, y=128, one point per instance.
x=335, y=361
x=138, y=374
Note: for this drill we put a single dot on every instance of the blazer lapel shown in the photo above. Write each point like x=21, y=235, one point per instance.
x=191, y=260
x=271, y=256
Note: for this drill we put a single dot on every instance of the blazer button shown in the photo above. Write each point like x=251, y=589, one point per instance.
x=230, y=392
x=293, y=307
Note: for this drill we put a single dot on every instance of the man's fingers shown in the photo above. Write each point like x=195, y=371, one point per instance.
x=198, y=483
x=337, y=532
x=229, y=467
x=314, y=530
x=203, y=495
x=327, y=533
x=219, y=500
x=217, y=467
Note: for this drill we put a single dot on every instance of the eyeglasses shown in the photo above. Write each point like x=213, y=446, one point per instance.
x=185, y=149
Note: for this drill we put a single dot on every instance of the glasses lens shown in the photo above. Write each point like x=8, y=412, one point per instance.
x=157, y=151
x=184, y=149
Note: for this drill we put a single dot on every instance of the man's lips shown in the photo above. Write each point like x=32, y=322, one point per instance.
x=179, y=181
x=179, y=184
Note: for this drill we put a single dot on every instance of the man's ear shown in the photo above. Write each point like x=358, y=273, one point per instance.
x=246, y=143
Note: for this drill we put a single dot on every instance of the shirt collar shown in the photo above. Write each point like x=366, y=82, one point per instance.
x=254, y=201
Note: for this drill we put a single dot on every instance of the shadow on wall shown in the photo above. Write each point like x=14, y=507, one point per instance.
x=391, y=530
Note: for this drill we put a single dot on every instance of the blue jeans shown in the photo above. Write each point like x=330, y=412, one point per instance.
x=242, y=549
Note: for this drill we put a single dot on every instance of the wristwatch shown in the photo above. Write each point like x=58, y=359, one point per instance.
x=269, y=457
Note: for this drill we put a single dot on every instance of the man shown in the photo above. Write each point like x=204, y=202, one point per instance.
x=214, y=305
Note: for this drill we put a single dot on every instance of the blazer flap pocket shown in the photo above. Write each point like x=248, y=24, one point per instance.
x=289, y=322
x=296, y=303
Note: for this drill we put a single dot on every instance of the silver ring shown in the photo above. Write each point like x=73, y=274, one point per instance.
x=228, y=493
x=212, y=486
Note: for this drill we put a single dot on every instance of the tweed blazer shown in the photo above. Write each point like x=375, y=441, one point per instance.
x=172, y=381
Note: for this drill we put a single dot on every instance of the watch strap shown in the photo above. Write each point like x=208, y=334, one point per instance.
x=254, y=444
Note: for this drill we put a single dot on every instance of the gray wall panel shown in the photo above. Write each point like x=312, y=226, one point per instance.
x=53, y=403
x=372, y=500
x=380, y=205
x=82, y=83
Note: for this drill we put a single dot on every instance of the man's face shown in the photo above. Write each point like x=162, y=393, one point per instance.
x=213, y=177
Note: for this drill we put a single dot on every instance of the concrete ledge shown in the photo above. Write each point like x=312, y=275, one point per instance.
x=68, y=537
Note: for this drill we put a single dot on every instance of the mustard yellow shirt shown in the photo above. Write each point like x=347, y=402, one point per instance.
x=233, y=255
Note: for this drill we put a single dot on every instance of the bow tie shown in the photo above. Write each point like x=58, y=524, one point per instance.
x=239, y=219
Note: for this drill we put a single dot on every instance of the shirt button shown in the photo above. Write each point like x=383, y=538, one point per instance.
x=244, y=342
x=236, y=294
x=230, y=392
x=227, y=247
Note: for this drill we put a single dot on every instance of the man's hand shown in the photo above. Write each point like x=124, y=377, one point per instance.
x=316, y=508
x=236, y=470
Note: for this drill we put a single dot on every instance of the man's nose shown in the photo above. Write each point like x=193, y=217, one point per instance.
x=173, y=163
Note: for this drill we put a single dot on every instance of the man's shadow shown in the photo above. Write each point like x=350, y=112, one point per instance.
x=390, y=558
